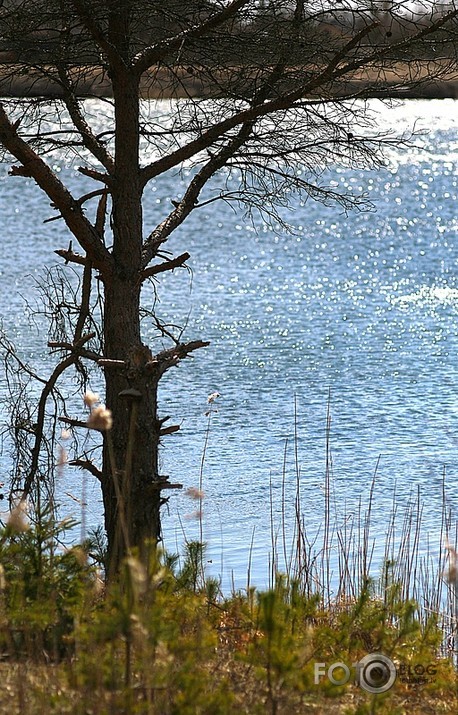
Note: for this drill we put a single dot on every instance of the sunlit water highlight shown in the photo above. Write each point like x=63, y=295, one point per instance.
x=362, y=306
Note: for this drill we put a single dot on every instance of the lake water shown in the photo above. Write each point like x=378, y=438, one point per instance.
x=362, y=306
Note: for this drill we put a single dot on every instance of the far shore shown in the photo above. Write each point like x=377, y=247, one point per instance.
x=405, y=81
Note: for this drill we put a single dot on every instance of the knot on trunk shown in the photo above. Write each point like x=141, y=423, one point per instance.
x=137, y=360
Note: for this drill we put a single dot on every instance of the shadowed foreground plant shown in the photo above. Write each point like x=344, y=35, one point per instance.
x=152, y=633
x=44, y=589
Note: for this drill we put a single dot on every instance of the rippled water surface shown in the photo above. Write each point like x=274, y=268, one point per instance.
x=361, y=306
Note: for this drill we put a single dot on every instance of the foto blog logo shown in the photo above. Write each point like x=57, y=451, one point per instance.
x=375, y=673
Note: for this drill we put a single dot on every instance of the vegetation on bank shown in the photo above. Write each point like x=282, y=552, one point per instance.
x=163, y=638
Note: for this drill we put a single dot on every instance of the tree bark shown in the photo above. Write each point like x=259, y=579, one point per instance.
x=131, y=446
x=130, y=466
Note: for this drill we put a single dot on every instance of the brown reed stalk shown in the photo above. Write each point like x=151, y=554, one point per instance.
x=325, y=563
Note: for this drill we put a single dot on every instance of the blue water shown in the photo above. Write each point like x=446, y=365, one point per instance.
x=362, y=307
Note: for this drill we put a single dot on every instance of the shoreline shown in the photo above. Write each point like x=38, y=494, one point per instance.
x=182, y=83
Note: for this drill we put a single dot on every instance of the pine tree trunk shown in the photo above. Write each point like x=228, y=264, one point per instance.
x=132, y=443
x=131, y=446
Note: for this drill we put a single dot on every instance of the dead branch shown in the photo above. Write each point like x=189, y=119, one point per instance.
x=90, y=141
x=96, y=175
x=88, y=466
x=84, y=308
x=172, y=356
x=155, y=53
x=165, y=485
x=111, y=364
x=20, y=171
x=9, y=349
x=72, y=422
x=163, y=330
x=169, y=265
x=39, y=427
x=101, y=214
x=48, y=181
x=46, y=392
x=70, y=256
x=76, y=349
x=169, y=430
x=189, y=200
x=73, y=347
x=92, y=195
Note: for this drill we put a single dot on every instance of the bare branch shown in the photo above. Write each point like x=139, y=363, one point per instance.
x=155, y=53
x=112, y=364
x=76, y=221
x=172, y=356
x=97, y=33
x=101, y=214
x=164, y=485
x=92, y=195
x=258, y=110
x=379, y=54
x=72, y=422
x=169, y=265
x=71, y=257
x=39, y=427
x=84, y=307
x=82, y=199
x=79, y=342
x=90, y=141
x=169, y=430
x=76, y=349
x=332, y=72
x=88, y=466
x=188, y=202
x=93, y=174
x=10, y=352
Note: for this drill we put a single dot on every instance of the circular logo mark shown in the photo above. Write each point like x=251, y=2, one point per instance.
x=376, y=673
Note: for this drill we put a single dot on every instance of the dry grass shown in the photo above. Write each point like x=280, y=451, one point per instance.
x=32, y=689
